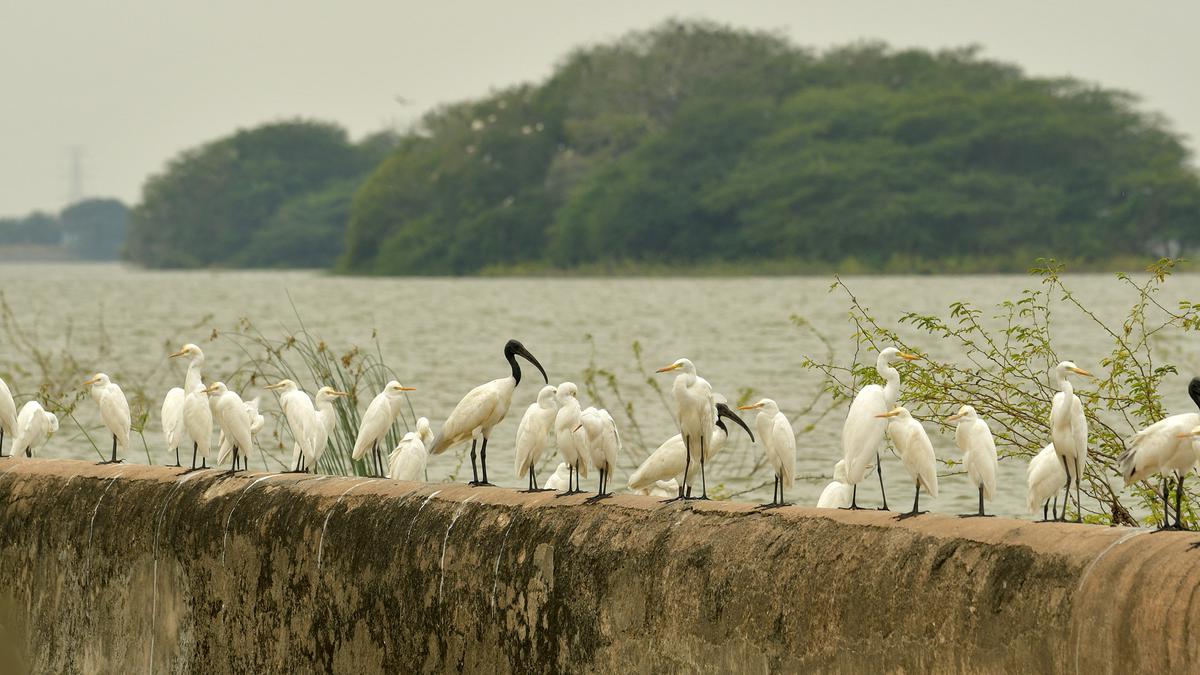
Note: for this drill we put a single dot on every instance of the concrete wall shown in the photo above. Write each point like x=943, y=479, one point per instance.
x=140, y=569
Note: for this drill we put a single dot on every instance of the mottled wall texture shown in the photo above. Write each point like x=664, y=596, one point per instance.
x=129, y=569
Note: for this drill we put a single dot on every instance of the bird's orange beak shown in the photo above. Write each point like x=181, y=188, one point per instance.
x=667, y=369
x=908, y=357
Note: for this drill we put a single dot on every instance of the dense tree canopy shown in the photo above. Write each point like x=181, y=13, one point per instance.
x=257, y=197
x=695, y=142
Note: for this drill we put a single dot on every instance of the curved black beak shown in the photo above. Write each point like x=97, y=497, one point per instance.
x=516, y=348
x=727, y=412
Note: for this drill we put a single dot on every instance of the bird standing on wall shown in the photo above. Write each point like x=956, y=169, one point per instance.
x=301, y=418
x=865, y=426
x=1069, y=432
x=482, y=409
x=568, y=441
x=696, y=412
x=916, y=454
x=34, y=427
x=377, y=422
x=408, y=459
x=229, y=411
x=114, y=411
x=197, y=422
x=257, y=422
x=974, y=439
x=172, y=406
x=533, y=434
x=1045, y=476
x=8, y=415
x=668, y=461
x=603, y=443
x=777, y=438
x=327, y=419
x=1165, y=447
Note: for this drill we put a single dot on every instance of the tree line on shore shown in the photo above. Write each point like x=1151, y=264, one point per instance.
x=689, y=144
x=89, y=229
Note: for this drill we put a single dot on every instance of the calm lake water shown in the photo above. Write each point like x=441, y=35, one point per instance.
x=445, y=336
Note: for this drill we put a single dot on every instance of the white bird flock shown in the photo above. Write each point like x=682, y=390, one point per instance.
x=589, y=439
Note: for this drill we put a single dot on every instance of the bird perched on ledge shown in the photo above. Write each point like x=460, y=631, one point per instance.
x=34, y=427
x=482, y=409
x=114, y=411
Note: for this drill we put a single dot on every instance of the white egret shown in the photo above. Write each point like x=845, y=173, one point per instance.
x=327, y=419
x=697, y=417
x=1045, y=476
x=197, y=422
x=534, y=433
x=301, y=418
x=1069, y=432
x=603, y=443
x=568, y=442
x=482, y=409
x=172, y=406
x=408, y=459
x=777, y=438
x=34, y=427
x=916, y=453
x=8, y=415
x=257, y=422
x=669, y=460
x=229, y=411
x=864, y=427
x=114, y=411
x=974, y=439
x=837, y=493
x=1164, y=447
x=560, y=479
x=377, y=422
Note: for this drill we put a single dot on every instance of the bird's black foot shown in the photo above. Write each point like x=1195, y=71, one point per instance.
x=107, y=461
x=975, y=515
x=673, y=499
x=852, y=507
x=883, y=508
x=595, y=499
x=1194, y=545
x=532, y=490
x=909, y=514
x=480, y=484
x=172, y=466
x=295, y=471
x=1046, y=520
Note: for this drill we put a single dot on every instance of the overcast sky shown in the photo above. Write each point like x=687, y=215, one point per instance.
x=134, y=82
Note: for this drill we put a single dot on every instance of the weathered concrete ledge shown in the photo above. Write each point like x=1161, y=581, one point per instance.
x=140, y=569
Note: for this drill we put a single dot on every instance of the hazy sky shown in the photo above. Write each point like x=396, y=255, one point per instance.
x=133, y=82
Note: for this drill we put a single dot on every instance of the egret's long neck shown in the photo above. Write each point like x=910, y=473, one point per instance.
x=891, y=376
x=1060, y=379
x=192, y=378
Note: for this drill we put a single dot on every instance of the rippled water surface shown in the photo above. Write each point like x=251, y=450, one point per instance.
x=445, y=336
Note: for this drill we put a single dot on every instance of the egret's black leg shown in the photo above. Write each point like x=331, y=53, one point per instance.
x=684, y=493
x=853, y=499
x=1054, y=509
x=176, y=464
x=1045, y=510
x=916, y=504
x=687, y=460
x=1, y=442
x=882, y=492
x=474, y=471
x=1179, y=504
x=114, y=452
x=1066, y=490
x=703, y=487
x=1078, y=501
x=194, y=448
x=1166, y=518
x=981, y=499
